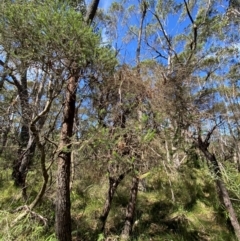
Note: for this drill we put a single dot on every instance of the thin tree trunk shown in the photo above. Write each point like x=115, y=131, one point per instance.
x=113, y=184
x=5, y=137
x=22, y=88
x=229, y=207
x=25, y=108
x=127, y=229
x=91, y=11
x=63, y=204
x=144, y=11
x=130, y=211
x=26, y=159
x=7, y=130
x=223, y=192
x=45, y=177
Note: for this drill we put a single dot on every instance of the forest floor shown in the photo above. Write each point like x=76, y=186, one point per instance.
x=176, y=206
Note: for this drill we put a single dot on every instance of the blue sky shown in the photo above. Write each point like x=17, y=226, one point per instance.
x=129, y=48
x=103, y=3
x=172, y=26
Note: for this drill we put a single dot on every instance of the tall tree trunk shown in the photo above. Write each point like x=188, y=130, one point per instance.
x=63, y=204
x=127, y=229
x=223, y=192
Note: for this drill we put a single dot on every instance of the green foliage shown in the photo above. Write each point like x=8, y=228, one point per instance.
x=28, y=229
x=149, y=136
x=101, y=237
x=148, y=120
x=194, y=215
x=48, y=31
x=231, y=177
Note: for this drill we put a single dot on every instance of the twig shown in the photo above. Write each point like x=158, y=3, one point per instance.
x=27, y=210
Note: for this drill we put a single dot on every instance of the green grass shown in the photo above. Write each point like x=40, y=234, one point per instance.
x=195, y=214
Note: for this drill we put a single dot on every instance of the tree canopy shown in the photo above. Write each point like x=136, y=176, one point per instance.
x=119, y=123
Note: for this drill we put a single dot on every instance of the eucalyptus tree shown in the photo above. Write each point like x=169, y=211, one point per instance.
x=191, y=44
x=26, y=66
x=51, y=42
x=193, y=81
x=94, y=57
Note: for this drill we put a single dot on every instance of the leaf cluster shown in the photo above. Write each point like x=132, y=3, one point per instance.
x=37, y=31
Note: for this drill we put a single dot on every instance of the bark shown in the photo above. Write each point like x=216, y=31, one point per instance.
x=21, y=165
x=25, y=108
x=92, y=9
x=26, y=159
x=30, y=132
x=1, y=83
x=63, y=205
x=127, y=229
x=113, y=184
x=5, y=132
x=4, y=140
x=223, y=192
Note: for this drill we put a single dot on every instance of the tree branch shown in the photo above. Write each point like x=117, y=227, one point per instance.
x=15, y=81
x=193, y=44
x=165, y=35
